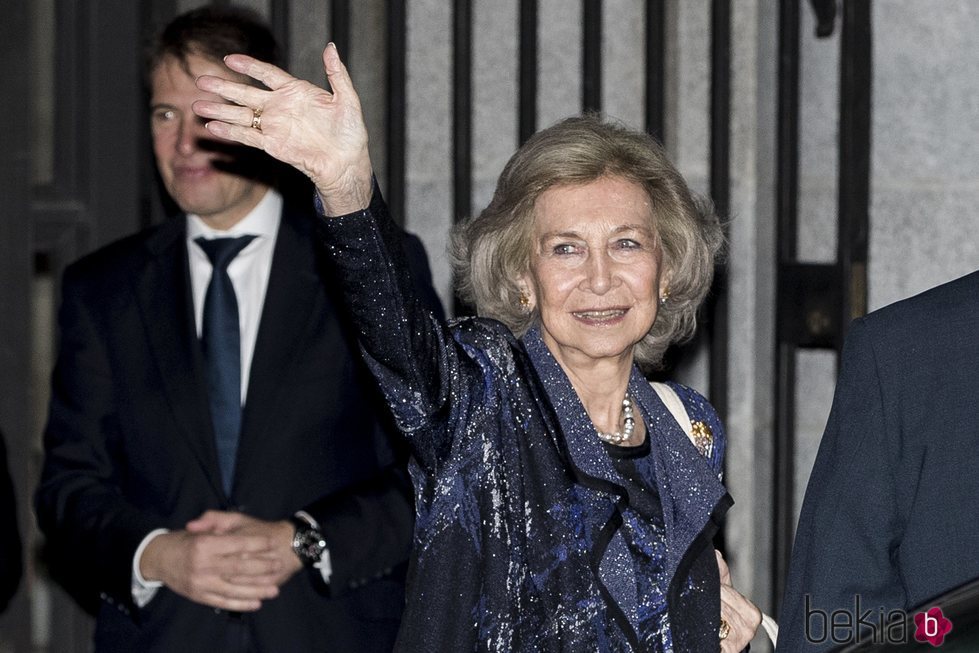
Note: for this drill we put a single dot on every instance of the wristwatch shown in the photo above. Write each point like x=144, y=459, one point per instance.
x=308, y=543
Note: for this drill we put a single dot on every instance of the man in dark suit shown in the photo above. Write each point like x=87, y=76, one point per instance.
x=889, y=515
x=211, y=431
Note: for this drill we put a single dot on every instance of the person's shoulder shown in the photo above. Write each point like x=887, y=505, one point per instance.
x=486, y=341
x=918, y=316
x=705, y=430
x=699, y=409
x=114, y=261
x=482, y=333
x=691, y=398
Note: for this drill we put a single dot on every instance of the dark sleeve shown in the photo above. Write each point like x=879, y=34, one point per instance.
x=368, y=530
x=421, y=274
x=850, y=524
x=10, y=546
x=426, y=378
x=91, y=530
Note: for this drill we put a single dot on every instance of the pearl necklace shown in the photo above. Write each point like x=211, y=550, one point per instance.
x=628, y=425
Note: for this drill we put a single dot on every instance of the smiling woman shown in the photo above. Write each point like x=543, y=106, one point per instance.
x=561, y=506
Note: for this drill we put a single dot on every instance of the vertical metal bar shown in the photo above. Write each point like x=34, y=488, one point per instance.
x=16, y=249
x=340, y=28
x=279, y=23
x=461, y=116
x=655, y=67
x=397, y=53
x=462, y=109
x=591, y=58
x=856, y=75
x=528, y=69
x=720, y=182
x=787, y=194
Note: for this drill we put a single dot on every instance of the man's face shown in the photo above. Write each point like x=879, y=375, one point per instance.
x=194, y=164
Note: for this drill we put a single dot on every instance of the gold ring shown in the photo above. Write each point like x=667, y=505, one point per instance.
x=723, y=630
x=257, y=119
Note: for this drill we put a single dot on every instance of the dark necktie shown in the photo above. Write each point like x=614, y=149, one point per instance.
x=221, y=343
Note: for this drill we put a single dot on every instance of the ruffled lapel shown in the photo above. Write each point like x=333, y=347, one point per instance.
x=688, y=488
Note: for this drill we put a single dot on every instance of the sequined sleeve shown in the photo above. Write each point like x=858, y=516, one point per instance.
x=424, y=375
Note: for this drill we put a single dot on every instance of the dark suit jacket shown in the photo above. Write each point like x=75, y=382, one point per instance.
x=130, y=448
x=890, y=509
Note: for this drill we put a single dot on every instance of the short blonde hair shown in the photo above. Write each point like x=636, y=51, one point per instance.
x=491, y=252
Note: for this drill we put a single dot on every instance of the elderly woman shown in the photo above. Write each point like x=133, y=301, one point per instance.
x=561, y=506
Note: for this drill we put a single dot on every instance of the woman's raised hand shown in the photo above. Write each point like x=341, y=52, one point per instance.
x=321, y=134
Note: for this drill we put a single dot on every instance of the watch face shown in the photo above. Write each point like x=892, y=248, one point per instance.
x=308, y=544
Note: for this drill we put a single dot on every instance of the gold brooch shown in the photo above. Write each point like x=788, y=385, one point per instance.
x=702, y=437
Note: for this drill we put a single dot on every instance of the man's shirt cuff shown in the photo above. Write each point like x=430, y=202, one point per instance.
x=144, y=590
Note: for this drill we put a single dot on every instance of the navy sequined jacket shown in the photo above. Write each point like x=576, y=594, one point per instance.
x=518, y=543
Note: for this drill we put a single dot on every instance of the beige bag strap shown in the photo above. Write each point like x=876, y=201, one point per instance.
x=672, y=401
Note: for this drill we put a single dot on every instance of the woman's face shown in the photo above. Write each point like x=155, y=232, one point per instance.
x=595, y=270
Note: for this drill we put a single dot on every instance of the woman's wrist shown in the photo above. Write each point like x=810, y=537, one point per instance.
x=348, y=195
